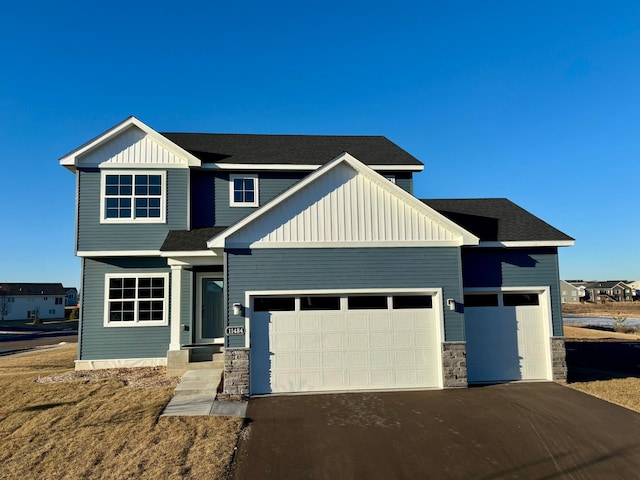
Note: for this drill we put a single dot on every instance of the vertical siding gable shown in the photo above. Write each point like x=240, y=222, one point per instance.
x=343, y=206
x=132, y=146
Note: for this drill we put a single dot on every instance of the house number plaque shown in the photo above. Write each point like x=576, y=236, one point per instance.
x=235, y=331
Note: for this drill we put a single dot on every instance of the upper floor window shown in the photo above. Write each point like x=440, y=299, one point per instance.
x=243, y=191
x=133, y=197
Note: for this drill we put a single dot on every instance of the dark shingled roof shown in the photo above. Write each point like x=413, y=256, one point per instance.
x=189, y=240
x=496, y=220
x=290, y=149
x=17, y=289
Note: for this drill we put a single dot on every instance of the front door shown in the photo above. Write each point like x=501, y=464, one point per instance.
x=210, y=312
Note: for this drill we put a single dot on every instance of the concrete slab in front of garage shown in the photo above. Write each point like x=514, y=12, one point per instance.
x=533, y=430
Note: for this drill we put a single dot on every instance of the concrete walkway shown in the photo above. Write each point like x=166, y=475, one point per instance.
x=196, y=395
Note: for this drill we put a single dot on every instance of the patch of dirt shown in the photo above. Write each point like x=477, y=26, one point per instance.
x=139, y=377
x=576, y=333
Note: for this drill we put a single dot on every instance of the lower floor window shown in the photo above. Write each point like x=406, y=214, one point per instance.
x=136, y=300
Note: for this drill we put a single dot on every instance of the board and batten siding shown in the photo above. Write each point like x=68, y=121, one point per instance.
x=515, y=267
x=99, y=342
x=96, y=236
x=345, y=268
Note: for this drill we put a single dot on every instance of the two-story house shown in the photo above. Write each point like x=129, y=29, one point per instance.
x=308, y=262
x=610, y=290
x=24, y=301
x=571, y=293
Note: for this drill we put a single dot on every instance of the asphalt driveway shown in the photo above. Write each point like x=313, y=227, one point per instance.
x=530, y=431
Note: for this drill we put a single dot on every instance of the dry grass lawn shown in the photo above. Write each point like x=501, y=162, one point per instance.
x=621, y=391
x=609, y=309
x=100, y=428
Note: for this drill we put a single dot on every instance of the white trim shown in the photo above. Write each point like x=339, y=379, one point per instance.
x=131, y=220
x=136, y=322
x=544, y=304
x=256, y=190
x=120, y=363
x=303, y=167
x=420, y=243
x=118, y=253
x=176, y=306
x=187, y=261
x=190, y=253
x=528, y=243
x=466, y=238
x=71, y=159
x=199, y=276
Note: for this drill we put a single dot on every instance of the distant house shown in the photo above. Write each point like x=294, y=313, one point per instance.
x=570, y=293
x=23, y=301
x=611, y=290
x=71, y=299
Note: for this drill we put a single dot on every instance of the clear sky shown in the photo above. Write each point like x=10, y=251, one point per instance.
x=536, y=101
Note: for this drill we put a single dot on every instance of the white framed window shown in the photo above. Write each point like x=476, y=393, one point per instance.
x=133, y=197
x=136, y=300
x=243, y=191
x=58, y=301
x=391, y=178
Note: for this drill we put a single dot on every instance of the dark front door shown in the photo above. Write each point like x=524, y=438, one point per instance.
x=211, y=315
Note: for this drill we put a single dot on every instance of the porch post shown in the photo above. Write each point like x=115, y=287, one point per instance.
x=176, y=297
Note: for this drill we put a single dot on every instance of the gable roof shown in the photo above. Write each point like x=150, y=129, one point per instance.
x=17, y=289
x=335, y=189
x=306, y=152
x=139, y=129
x=606, y=284
x=499, y=221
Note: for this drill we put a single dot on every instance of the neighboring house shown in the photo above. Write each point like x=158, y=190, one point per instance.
x=23, y=301
x=71, y=300
x=570, y=293
x=611, y=290
x=301, y=260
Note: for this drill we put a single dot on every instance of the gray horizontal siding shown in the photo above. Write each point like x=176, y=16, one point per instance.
x=186, y=302
x=99, y=342
x=95, y=236
x=269, y=186
x=515, y=268
x=345, y=268
x=405, y=181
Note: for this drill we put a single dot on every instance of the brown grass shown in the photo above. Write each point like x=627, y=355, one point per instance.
x=609, y=309
x=621, y=391
x=578, y=333
x=100, y=428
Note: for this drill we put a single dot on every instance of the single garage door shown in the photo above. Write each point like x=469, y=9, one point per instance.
x=312, y=343
x=507, y=336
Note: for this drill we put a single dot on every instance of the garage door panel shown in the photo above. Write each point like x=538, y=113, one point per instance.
x=363, y=349
x=506, y=343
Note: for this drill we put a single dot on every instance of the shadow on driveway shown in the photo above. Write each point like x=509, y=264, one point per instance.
x=532, y=431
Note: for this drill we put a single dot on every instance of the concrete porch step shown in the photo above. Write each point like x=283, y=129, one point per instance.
x=200, y=382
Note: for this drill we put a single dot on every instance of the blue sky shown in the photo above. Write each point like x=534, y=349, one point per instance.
x=538, y=102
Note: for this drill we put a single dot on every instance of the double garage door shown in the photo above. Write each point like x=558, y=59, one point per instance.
x=507, y=336
x=311, y=343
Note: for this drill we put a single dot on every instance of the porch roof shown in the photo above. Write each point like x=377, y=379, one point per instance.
x=189, y=240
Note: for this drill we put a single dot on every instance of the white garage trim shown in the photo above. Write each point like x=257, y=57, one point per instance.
x=544, y=295
x=424, y=377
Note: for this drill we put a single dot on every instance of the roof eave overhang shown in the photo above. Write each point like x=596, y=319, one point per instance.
x=303, y=167
x=527, y=243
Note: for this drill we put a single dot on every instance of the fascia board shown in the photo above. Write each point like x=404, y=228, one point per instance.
x=528, y=243
x=302, y=167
